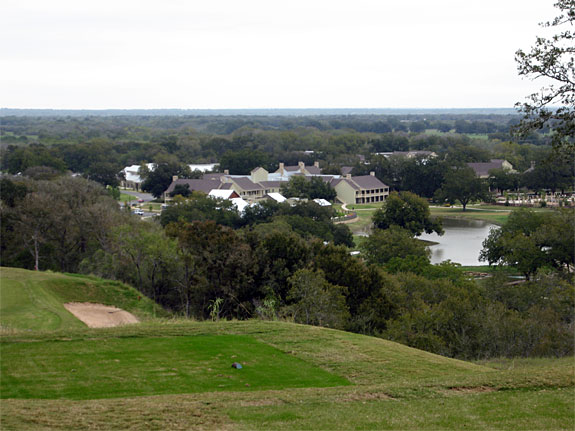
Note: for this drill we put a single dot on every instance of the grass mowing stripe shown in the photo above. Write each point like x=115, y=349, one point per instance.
x=109, y=368
x=26, y=304
x=504, y=410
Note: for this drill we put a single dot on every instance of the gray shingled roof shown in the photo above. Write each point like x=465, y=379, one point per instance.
x=246, y=184
x=196, y=185
x=314, y=170
x=368, y=182
x=482, y=169
x=335, y=181
x=271, y=184
x=291, y=168
x=353, y=184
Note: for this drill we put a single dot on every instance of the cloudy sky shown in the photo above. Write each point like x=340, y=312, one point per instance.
x=74, y=54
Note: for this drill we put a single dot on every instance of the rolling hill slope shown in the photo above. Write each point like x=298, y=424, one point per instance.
x=34, y=300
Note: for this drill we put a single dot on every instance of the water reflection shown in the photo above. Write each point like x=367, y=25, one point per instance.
x=461, y=242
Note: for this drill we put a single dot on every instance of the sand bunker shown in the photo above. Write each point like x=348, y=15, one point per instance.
x=100, y=316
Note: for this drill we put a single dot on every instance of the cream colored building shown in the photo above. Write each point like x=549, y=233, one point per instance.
x=360, y=190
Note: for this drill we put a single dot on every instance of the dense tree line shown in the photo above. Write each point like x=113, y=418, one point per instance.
x=25, y=128
x=99, y=147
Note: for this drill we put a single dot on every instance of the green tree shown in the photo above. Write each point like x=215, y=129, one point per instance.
x=145, y=248
x=61, y=222
x=203, y=208
x=308, y=188
x=295, y=187
x=34, y=222
x=159, y=179
x=216, y=263
x=383, y=245
x=279, y=253
x=423, y=175
x=553, y=173
x=553, y=60
x=461, y=184
x=500, y=179
x=12, y=191
x=319, y=189
x=408, y=211
x=556, y=235
x=529, y=241
x=181, y=190
x=315, y=301
x=242, y=162
x=104, y=173
x=18, y=159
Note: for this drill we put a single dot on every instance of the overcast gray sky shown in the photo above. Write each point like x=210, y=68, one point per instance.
x=74, y=54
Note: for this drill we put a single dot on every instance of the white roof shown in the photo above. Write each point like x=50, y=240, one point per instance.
x=203, y=167
x=322, y=202
x=277, y=197
x=240, y=204
x=132, y=172
x=222, y=194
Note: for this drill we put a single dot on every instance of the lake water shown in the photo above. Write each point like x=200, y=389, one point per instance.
x=461, y=242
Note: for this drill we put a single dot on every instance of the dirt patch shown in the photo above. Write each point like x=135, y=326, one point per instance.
x=470, y=390
x=100, y=316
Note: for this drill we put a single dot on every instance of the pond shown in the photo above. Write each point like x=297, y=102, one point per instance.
x=461, y=242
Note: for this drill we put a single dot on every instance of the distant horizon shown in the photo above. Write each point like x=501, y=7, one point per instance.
x=258, y=111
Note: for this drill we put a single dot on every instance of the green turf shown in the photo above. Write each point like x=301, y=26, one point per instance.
x=124, y=197
x=504, y=410
x=492, y=213
x=34, y=300
x=24, y=305
x=498, y=217
x=108, y=368
x=390, y=385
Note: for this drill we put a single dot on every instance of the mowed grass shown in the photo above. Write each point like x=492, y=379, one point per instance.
x=300, y=377
x=504, y=410
x=118, y=367
x=33, y=300
x=495, y=216
x=124, y=197
x=24, y=306
x=492, y=213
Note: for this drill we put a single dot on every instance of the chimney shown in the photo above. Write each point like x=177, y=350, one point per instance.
x=226, y=171
x=281, y=169
x=532, y=165
x=175, y=178
x=316, y=164
x=372, y=174
x=301, y=166
x=348, y=176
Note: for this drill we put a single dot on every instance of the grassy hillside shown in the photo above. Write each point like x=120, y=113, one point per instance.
x=178, y=375
x=175, y=374
x=33, y=300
